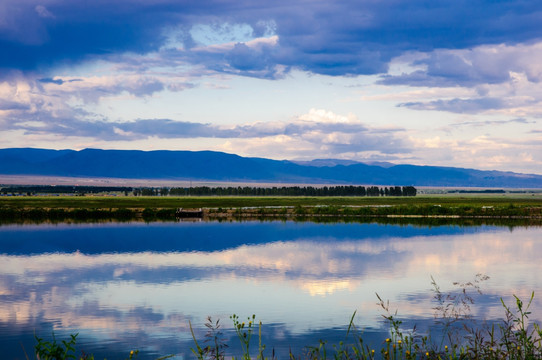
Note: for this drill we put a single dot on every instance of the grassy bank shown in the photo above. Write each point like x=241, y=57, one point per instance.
x=123, y=202
x=96, y=208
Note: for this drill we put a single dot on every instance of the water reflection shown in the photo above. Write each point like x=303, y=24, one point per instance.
x=122, y=285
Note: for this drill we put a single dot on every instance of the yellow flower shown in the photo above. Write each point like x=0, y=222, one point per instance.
x=446, y=347
x=388, y=340
x=427, y=354
x=399, y=342
x=131, y=352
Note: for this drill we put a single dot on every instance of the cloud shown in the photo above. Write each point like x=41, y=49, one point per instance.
x=43, y=12
x=470, y=106
x=484, y=64
x=344, y=38
x=317, y=132
x=493, y=122
x=56, y=81
x=94, y=88
x=522, y=155
x=51, y=81
x=166, y=128
x=12, y=105
x=491, y=79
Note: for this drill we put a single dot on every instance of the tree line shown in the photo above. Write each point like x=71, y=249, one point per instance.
x=279, y=191
x=62, y=189
x=347, y=190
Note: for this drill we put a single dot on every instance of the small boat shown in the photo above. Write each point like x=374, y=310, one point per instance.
x=189, y=213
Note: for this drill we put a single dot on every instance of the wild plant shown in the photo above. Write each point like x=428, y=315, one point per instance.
x=455, y=307
x=520, y=341
x=214, y=336
x=399, y=345
x=244, y=333
x=49, y=350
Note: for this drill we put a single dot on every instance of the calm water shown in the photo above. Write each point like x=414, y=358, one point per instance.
x=136, y=285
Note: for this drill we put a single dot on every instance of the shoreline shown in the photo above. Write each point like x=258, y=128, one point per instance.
x=400, y=213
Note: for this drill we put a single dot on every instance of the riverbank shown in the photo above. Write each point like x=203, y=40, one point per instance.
x=96, y=208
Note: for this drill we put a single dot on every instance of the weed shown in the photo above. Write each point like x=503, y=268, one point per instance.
x=49, y=350
x=214, y=335
x=244, y=333
x=513, y=339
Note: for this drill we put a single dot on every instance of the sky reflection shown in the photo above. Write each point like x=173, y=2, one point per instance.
x=299, y=278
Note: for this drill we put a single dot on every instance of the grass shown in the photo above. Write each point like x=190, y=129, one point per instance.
x=45, y=209
x=459, y=337
x=103, y=208
x=133, y=202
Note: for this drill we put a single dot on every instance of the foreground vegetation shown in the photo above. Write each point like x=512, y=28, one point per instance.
x=459, y=337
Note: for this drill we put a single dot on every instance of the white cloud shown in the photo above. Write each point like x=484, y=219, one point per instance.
x=43, y=12
x=256, y=44
x=323, y=116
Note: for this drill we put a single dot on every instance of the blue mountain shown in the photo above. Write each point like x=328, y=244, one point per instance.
x=218, y=166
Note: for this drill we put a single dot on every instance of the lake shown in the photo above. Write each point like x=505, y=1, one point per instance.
x=125, y=286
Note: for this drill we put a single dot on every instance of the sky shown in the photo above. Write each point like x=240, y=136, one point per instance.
x=426, y=82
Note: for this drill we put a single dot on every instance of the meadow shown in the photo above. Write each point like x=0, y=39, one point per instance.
x=135, y=202
x=59, y=208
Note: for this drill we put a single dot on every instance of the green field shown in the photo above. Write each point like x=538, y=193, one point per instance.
x=141, y=202
x=21, y=209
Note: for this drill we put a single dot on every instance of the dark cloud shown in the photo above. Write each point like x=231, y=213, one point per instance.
x=51, y=81
x=297, y=128
x=469, y=106
x=110, y=131
x=68, y=127
x=166, y=128
x=12, y=105
x=56, y=81
x=461, y=68
x=144, y=87
x=335, y=38
x=76, y=31
x=494, y=122
x=244, y=58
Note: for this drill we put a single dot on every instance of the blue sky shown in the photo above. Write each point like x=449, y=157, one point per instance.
x=449, y=83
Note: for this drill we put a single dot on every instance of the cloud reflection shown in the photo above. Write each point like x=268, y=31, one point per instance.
x=284, y=282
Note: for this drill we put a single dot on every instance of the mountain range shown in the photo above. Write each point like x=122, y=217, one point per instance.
x=218, y=166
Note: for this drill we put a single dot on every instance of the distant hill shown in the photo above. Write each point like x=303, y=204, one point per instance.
x=217, y=166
